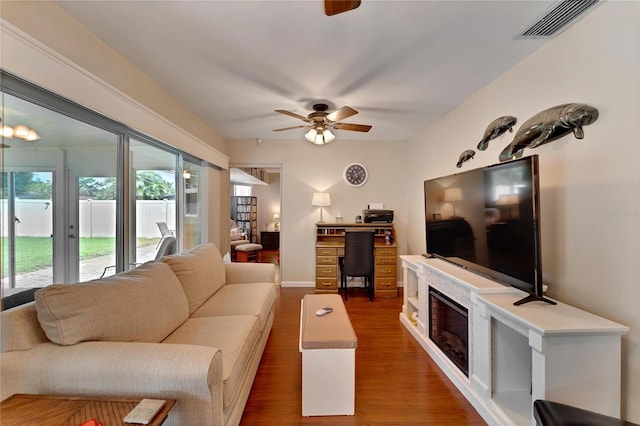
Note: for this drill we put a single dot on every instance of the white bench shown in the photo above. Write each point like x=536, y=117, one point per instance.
x=328, y=346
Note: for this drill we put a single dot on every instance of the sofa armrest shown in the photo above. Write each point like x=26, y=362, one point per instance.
x=190, y=374
x=241, y=273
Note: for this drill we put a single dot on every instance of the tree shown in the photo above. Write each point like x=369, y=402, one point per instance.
x=151, y=186
x=98, y=188
x=27, y=185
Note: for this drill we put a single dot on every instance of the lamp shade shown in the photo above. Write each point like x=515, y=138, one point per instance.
x=321, y=199
x=452, y=194
x=508, y=200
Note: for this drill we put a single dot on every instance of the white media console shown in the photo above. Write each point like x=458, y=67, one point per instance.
x=517, y=354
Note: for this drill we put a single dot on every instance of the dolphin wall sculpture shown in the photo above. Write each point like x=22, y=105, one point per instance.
x=496, y=128
x=549, y=125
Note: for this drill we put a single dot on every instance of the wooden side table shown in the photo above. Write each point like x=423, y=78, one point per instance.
x=54, y=410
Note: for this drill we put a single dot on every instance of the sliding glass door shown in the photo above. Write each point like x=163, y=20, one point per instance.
x=154, y=195
x=84, y=196
x=27, y=229
x=59, y=189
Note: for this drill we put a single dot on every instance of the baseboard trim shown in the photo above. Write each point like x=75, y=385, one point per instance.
x=297, y=284
x=313, y=284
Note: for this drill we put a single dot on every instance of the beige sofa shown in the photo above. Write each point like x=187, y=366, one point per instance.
x=188, y=327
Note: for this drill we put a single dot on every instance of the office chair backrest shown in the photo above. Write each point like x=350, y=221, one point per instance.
x=167, y=246
x=358, y=252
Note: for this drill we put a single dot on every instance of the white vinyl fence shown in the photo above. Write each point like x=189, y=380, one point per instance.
x=34, y=218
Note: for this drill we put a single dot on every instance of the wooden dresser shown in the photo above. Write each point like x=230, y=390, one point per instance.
x=330, y=247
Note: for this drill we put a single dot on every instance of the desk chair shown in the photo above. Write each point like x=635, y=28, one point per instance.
x=358, y=260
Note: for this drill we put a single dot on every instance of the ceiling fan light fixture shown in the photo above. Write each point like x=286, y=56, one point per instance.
x=311, y=135
x=32, y=136
x=6, y=132
x=319, y=135
x=320, y=123
x=21, y=131
x=328, y=136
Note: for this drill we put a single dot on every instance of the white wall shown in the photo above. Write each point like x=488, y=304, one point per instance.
x=590, y=188
x=307, y=168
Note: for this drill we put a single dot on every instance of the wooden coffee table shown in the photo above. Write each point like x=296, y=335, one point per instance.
x=54, y=410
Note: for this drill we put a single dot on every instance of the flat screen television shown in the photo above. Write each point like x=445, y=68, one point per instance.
x=487, y=221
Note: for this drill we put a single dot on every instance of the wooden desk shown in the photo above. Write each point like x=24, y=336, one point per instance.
x=330, y=247
x=54, y=410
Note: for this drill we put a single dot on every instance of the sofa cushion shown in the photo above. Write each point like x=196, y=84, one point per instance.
x=234, y=335
x=141, y=305
x=20, y=328
x=240, y=299
x=200, y=271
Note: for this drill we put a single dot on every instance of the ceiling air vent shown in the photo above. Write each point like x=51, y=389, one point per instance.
x=557, y=18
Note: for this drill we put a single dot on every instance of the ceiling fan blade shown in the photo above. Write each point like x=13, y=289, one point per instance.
x=341, y=113
x=353, y=127
x=292, y=114
x=289, y=128
x=333, y=7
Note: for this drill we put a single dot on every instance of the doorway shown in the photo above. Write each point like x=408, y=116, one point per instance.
x=91, y=226
x=263, y=181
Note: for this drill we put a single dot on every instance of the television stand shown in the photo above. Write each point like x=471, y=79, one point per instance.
x=518, y=354
x=533, y=298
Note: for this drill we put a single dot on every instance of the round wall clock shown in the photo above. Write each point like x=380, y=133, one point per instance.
x=355, y=174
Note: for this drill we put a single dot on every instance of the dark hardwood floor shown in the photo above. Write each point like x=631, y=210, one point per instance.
x=269, y=256
x=397, y=383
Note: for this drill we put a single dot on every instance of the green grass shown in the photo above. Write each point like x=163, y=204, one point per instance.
x=33, y=253
x=97, y=246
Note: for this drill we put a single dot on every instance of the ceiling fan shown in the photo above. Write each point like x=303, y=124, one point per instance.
x=321, y=122
x=333, y=7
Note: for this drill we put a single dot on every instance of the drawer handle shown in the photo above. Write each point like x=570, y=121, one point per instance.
x=326, y=270
x=385, y=284
x=326, y=284
x=386, y=270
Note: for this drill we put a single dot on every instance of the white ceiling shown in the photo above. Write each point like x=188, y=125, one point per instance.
x=401, y=64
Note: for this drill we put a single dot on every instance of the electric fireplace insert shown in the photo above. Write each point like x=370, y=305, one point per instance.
x=449, y=328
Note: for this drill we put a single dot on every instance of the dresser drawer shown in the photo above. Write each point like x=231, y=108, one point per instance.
x=386, y=271
x=327, y=283
x=326, y=271
x=326, y=260
x=326, y=251
x=386, y=251
x=386, y=283
x=386, y=260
